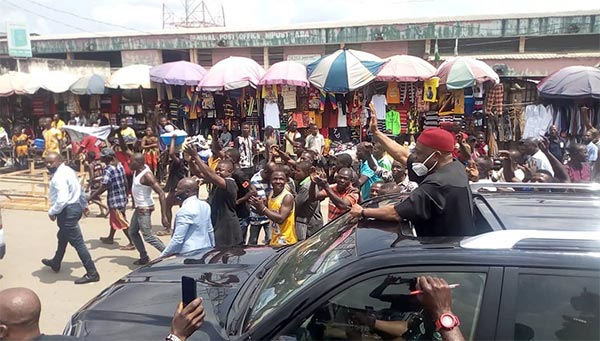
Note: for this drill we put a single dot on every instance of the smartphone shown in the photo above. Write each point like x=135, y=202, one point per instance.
x=188, y=290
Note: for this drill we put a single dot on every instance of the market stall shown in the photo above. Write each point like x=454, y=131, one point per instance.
x=229, y=96
x=337, y=96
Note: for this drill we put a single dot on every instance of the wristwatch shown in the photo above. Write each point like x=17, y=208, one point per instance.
x=172, y=337
x=447, y=321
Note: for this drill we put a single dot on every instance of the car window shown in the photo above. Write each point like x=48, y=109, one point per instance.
x=552, y=307
x=304, y=264
x=382, y=308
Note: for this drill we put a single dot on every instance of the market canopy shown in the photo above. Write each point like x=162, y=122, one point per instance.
x=232, y=73
x=344, y=70
x=131, y=77
x=572, y=82
x=89, y=85
x=53, y=81
x=77, y=133
x=178, y=73
x=462, y=72
x=404, y=68
x=286, y=73
x=13, y=83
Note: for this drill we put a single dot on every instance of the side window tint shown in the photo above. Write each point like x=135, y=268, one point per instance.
x=557, y=308
x=382, y=308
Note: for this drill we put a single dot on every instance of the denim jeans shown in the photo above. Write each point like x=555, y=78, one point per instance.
x=141, y=220
x=70, y=232
x=244, y=222
x=255, y=231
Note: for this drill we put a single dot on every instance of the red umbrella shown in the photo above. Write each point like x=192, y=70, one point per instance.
x=403, y=68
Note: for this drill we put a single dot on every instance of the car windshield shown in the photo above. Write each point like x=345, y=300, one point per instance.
x=305, y=263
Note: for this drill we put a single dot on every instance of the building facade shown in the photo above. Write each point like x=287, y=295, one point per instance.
x=516, y=45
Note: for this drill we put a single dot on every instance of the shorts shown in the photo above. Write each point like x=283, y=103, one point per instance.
x=117, y=219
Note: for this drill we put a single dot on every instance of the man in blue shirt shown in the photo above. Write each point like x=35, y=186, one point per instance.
x=193, y=226
x=68, y=202
x=364, y=152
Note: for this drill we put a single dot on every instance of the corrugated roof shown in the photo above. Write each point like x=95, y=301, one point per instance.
x=319, y=25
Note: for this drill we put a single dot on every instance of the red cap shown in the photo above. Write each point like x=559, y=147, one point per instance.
x=438, y=139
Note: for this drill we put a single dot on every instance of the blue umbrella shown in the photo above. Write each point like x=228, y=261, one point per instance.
x=89, y=85
x=344, y=70
x=571, y=82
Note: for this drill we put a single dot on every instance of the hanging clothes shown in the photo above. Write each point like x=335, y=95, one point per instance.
x=430, y=89
x=495, y=99
x=392, y=122
x=393, y=93
x=271, y=115
x=379, y=101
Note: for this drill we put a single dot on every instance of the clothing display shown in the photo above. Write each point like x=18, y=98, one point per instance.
x=537, y=120
x=430, y=89
x=379, y=101
x=393, y=93
x=271, y=115
x=392, y=122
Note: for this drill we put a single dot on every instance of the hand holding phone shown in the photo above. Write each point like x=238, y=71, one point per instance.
x=188, y=290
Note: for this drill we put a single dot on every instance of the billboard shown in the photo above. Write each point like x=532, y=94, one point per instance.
x=19, y=45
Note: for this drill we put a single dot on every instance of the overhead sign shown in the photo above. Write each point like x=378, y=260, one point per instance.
x=19, y=44
x=304, y=59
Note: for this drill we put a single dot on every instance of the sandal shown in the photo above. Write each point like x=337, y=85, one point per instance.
x=164, y=233
x=128, y=247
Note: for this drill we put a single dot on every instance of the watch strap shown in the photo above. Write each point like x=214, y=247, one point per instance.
x=172, y=337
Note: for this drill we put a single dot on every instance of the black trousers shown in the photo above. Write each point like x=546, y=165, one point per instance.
x=69, y=232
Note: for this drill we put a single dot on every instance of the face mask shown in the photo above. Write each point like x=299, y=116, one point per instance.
x=52, y=169
x=420, y=169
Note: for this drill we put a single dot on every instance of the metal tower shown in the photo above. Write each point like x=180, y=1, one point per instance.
x=195, y=14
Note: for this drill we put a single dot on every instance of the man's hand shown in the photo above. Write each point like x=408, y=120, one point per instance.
x=86, y=212
x=187, y=320
x=258, y=204
x=504, y=154
x=435, y=298
x=356, y=211
x=52, y=217
x=190, y=149
x=318, y=180
x=543, y=145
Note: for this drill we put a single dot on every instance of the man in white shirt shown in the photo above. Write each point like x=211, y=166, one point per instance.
x=529, y=147
x=315, y=141
x=247, y=147
x=291, y=135
x=68, y=203
x=193, y=228
x=589, y=139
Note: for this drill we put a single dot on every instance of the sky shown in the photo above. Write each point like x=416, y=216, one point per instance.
x=47, y=17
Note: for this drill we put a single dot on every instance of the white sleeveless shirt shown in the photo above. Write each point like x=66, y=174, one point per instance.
x=142, y=194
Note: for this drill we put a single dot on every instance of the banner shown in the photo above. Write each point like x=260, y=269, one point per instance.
x=19, y=45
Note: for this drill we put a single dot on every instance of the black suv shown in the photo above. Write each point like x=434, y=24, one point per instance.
x=532, y=273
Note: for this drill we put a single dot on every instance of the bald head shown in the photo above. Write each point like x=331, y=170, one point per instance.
x=187, y=184
x=53, y=161
x=137, y=162
x=53, y=156
x=19, y=313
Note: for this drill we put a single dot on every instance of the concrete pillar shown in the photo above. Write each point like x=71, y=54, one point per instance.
x=194, y=56
x=522, y=44
x=427, y=47
x=266, y=57
x=70, y=56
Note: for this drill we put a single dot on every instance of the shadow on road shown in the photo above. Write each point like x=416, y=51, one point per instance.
x=46, y=275
x=126, y=261
x=97, y=244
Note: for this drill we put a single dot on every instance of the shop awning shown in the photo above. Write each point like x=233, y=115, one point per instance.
x=13, y=83
x=53, y=81
x=232, y=73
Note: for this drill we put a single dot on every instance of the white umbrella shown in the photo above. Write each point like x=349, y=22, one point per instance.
x=131, y=77
x=13, y=83
x=53, y=81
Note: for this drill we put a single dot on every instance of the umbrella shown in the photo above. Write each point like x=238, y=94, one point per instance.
x=403, y=68
x=13, y=83
x=232, y=73
x=344, y=70
x=53, y=81
x=463, y=72
x=177, y=73
x=89, y=85
x=131, y=77
x=572, y=82
x=286, y=72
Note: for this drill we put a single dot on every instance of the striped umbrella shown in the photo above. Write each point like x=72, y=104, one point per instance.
x=461, y=72
x=344, y=70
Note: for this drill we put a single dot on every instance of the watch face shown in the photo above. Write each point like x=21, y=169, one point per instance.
x=447, y=321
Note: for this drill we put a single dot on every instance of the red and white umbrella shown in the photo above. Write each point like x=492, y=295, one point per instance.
x=14, y=83
x=232, y=73
x=461, y=72
x=404, y=68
